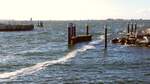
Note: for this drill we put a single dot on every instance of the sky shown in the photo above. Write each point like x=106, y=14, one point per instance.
x=74, y=9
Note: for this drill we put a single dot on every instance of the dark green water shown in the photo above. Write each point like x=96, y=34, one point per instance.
x=42, y=56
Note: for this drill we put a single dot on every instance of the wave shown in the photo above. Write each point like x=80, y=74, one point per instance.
x=37, y=67
x=42, y=65
x=101, y=38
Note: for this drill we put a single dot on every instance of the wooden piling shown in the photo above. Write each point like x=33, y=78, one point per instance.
x=87, y=29
x=128, y=28
x=106, y=37
x=74, y=30
x=132, y=29
x=135, y=28
x=69, y=34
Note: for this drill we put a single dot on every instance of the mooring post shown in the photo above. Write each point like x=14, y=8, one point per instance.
x=74, y=30
x=69, y=34
x=106, y=37
x=128, y=29
x=132, y=28
x=135, y=28
x=71, y=29
x=87, y=29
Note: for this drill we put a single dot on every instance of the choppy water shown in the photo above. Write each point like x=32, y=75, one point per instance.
x=42, y=56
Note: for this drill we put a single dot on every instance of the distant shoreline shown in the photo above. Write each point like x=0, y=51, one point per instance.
x=3, y=20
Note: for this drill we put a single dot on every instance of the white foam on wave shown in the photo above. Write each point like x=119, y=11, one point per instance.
x=37, y=67
x=86, y=47
x=42, y=65
x=101, y=38
x=29, y=51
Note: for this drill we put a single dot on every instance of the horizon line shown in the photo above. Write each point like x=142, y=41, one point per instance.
x=72, y=19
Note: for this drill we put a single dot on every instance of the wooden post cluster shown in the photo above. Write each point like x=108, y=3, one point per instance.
x=73, y=39
x=132, y=28
x=71, y=32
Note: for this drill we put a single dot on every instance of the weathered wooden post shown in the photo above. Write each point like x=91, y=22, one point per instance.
x=132, y=29
x=87, y=29
x=69, y=34
x=106, y=37
x=74, y=30
x=71, y=31
x=128, y=29
x=135, y=28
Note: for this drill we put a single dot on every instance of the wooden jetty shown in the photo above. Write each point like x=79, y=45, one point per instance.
x=130, y=37
x=134, y=37
x=73, y=39
x=5, y=28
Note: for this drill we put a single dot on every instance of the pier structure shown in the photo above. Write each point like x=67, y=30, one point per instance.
x=8, y=28
x=134, y=37
x=73, y=38
x=130, y=37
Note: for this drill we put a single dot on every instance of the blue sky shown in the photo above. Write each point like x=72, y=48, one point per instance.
x=74, y=9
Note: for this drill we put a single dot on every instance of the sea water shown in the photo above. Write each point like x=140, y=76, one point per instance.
x=42, y=56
